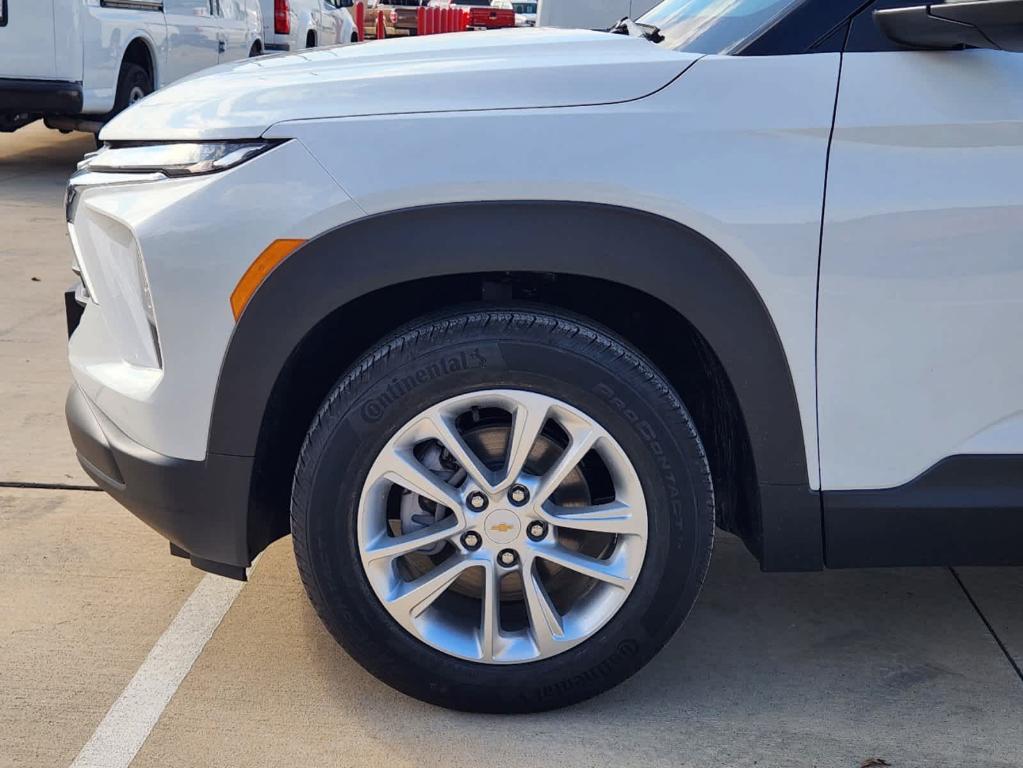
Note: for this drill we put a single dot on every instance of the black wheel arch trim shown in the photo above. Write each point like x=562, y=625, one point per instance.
x=644, y=251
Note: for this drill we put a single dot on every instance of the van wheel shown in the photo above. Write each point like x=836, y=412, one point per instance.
x=133, y=84
x=503, y=511
x=256, y=50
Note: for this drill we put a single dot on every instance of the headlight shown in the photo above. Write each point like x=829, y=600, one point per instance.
x=174, y=159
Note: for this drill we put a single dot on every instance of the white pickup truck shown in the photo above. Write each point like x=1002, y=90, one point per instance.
x=291, y=25
x=76, y=63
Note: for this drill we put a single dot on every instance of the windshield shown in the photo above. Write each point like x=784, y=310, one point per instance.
x=713, y=26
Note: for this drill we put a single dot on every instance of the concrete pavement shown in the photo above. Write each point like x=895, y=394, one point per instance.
x=35, y=263
x=85, y=591
x=777, y=670
x=824, y=669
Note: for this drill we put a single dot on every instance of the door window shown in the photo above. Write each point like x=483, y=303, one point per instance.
x=188, y=7
x=709, y=26
x=230, y=9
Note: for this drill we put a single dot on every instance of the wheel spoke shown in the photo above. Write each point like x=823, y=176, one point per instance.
x=403, y=469
x=545, y=624
x=616, y=517
x=414, y=597
x=527, y=422
x=490, y=626
x=583, y=439
x=609, y=571
x=445, y=432
x=390, y=547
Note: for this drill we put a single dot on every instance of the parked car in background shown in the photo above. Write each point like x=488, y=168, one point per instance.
x=593, y=14
x=77, y=63
x=481, y=14
x=400, y=16
x=292, y=25
x=525, y=13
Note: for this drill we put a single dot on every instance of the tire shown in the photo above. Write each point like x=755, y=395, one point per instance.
x=530, y=354
x=133, y=83
x=256, y=50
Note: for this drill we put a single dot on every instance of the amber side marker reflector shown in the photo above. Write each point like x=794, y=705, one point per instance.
x=254, y=276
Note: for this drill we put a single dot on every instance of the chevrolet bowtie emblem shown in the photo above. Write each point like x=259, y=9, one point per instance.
x=501, y=527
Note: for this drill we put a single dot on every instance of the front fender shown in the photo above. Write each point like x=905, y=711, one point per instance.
x=647, y=252
x=657, y=256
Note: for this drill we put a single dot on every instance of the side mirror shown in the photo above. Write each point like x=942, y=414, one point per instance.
x=996, y=24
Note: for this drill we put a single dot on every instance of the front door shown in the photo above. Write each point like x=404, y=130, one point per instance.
x=234, y=28
x=920, y=328
x=193, y=37
x=332, y=23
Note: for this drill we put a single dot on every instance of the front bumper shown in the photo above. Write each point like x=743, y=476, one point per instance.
x=161, y=258
x=200, y=506
x=44, y=97
x=182, y=244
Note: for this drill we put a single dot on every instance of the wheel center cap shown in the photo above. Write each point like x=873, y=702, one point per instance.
x=502, y=526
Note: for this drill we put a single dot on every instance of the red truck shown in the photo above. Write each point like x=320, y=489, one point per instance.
x=482, y=15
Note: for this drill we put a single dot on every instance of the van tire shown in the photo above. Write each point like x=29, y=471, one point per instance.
x=133, y=83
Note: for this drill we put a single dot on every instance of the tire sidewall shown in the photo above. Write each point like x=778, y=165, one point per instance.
x=618, y=390
x=132, y=76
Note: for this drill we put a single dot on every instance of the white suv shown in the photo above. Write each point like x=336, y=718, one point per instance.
x=761, y=271
x=292, y=25
x=77, y=63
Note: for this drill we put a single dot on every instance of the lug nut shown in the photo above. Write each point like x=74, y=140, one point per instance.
x=507, y=557
x=477, y=501
x=471, y=541
x=537, y=530
x=518, y=495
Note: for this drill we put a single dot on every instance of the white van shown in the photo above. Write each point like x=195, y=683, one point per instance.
x=76, y=63
x=291, y=25
x=589, y=14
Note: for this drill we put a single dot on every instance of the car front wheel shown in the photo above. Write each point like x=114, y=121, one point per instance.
x=503, y=511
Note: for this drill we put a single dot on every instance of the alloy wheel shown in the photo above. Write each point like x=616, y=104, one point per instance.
x=502, y=526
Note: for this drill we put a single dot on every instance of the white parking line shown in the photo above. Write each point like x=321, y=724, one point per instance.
x=132, y=717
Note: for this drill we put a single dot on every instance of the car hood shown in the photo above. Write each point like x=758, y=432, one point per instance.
x=500, y=69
